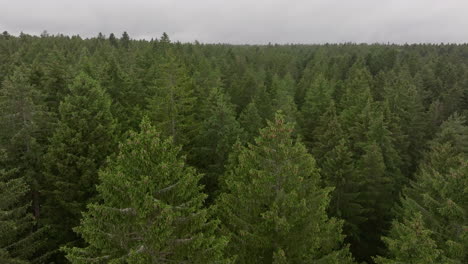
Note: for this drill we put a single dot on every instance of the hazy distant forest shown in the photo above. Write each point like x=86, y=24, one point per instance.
x=114, y=150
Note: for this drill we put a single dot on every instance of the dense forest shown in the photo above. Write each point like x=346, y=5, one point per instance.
x=115, y=150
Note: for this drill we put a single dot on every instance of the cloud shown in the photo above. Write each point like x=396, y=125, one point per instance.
x=246, y=21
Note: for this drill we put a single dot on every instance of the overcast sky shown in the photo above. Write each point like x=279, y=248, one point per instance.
x=246, y=21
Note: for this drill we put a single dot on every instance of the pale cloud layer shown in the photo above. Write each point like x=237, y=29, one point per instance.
x=246, y=21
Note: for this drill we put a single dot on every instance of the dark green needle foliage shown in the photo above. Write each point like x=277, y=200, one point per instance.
x=251, y=121
x=274, y=207
x=218, y=132
x=173, y=104
x=82, y=140
x=385, y=123
x=318, y=98
x=21, y=241
x=338, y=170
x=431, y=225
x=25, y=123
x=150, y=209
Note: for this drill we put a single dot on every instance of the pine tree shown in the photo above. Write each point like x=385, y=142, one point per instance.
x=437, y=199
x=410, y=242
x=21, y=241
x=356, y=98
x=54, y=81
x=375, y=199
x=377, y=163
x=329, y=132
x=172, y=106
x=125, y=40
x=244, y=86
x=282, y=94
x=318, y=98
x=25, y=123
x=273, y=206
x=82, y=140
x=125, y=106
x=405, y=103
x=251, y=121
x=218, y=132
x=113, y=40
x=150, y=210
x=338, y=171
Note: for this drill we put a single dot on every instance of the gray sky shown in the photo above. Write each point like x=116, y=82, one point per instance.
x=245, y=21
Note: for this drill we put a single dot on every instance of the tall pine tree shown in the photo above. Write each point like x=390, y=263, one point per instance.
x=172, y=106
x=251, y=121
x=274, y=207
x=82, y=140
x=218, y=132
x=436, y=203
x=25, y=123
x=21, y=241
x=150, y=210
x=318, y=98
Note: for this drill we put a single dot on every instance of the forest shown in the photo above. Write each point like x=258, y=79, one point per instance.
x=118, y=150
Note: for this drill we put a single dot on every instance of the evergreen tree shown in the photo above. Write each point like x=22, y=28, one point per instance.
x=377, y=163
x=82, y=140
x=357, y=96
x=410, y=242
x=245, y=87
x=338, y=171
x=20, y=239
x=125, y=40
x=437, y=201
x=318, y=97
x=273, y=206
x=405, y=103
x=150, y=210
x=375, y=199
x=25, y=123
x=218, y=132
x=125, y=106
x=251, y=121
x=54, y=81
x=172, y=106
x=329, y=132
x=282, y=94
x=113, y=40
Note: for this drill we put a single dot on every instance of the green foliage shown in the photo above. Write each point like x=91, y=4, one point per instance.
x=82, y=140
x=318, y=98
x=126, y=102
x=172, y=106
x=273, y=206
x=25, y=123
x=125, y=40
x=338, y=171
x=218, y=132
x=377, y=174
x=410, y=242
x=438, y=199
x=54, y=79
x=282, y=94
x=150, y=210
x=20, y=239
x=251, y=121
x=24, y=120
x=406, y=116
x=367, y=113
